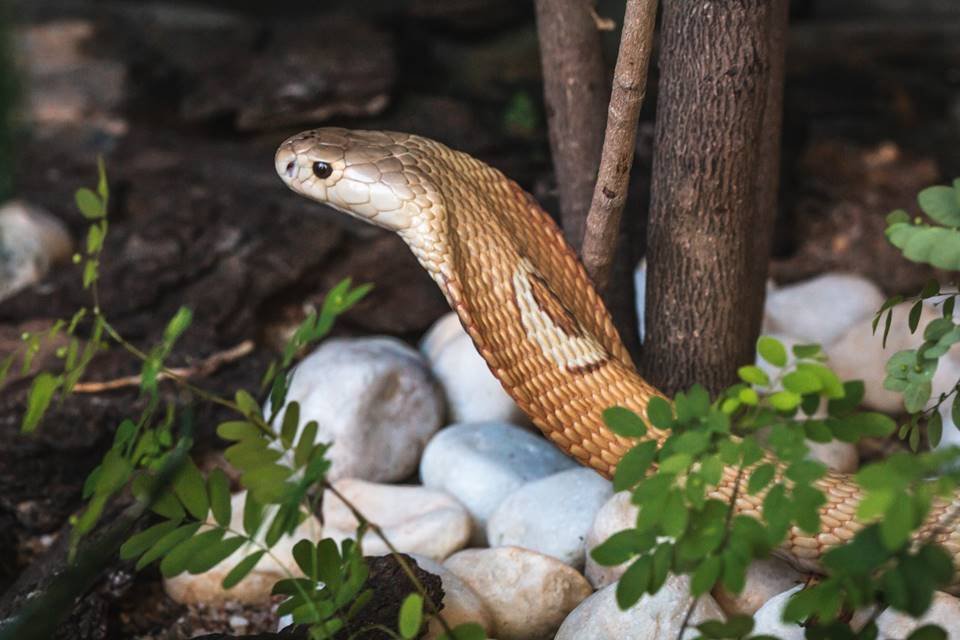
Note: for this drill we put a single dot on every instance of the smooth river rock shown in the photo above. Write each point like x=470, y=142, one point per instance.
x=527, y=594
x=374, y=399
x=481, y=463
x=473, y=393
x=551, y=515
x=206, y=588
x=461, y=604
x=652, y=618
x=414, y=519
x=31, y=241
x=765, y=579
x=821, y=309
x=944, y=611
x=615, y=515
x=859, y=355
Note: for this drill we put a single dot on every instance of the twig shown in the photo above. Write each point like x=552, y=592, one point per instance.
x=375, y=528
x=629, y=89
x=203, y=368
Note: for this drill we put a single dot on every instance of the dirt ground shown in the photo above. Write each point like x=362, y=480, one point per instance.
x=186, y=103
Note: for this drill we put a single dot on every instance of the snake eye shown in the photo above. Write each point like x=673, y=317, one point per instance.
x=322, y=169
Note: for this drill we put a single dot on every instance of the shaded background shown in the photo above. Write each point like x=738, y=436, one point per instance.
x=187, y=102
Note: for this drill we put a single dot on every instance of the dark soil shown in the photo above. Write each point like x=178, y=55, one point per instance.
x=199, y=219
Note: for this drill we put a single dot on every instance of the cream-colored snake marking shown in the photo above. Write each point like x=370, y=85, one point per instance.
x=521, y=294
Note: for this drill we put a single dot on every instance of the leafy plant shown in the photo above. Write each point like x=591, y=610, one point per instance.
x=282, y=467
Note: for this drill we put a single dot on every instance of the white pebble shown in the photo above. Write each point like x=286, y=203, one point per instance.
x=765, y=578
x=206, y=588
x=374, y=399
x=481, y=463
x=615, y=515
x=31, y=241
x=661, y=615
x=821, y=309
x=414, y=519
x=551, y=515
x=944, y=611
x=527, y=594
x=460, y=603
x=473, y=393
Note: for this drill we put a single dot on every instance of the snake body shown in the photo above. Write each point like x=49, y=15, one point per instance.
x=525, y=300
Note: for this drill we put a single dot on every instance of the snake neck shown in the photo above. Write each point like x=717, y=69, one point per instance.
x=529, y=307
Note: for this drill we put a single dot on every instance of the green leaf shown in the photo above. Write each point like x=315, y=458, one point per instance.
x=189, y=487
x=940, y=203
x=170, y=540
x=238, y=430
x=411, y=616
x=252, y=515
x=465, y=631
x=139, y=543
x=248, y=406
x=206, y=558
x=772, y=350
x=706, y=575
x=935, y=428
x=218, y=486
x=634, y=465
x=897, y=523
x=175, y=562
x=936, y=246
x=659, y=413
x=753, y=375
x=305, y=555
x=785, y=401
x=916, y=395
x=805, y=351
x=291, y=420
x=305, y=445
x=39, y=398
x=624, y=422
x=620, y=547
x=634, y=582
x=675, y=515
x=913, y=320
x=89, y=204
x=853, y=391
x=928, y=632
x=760, y=478
x=802, y=382
x=243, y=568
x=267, y=482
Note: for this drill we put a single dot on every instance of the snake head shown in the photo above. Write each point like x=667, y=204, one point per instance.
x=370, y=175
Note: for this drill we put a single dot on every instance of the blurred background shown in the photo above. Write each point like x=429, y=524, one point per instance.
x=186, y=102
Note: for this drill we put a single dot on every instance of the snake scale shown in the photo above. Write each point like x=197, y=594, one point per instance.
x=524, y=298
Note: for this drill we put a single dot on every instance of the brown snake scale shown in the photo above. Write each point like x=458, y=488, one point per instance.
x=523, y=297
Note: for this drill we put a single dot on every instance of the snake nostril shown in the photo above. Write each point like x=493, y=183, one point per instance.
x=290, y=168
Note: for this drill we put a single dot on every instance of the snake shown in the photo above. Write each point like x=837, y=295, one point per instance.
x=529, y=306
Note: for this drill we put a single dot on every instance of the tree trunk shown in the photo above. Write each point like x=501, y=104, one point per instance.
x=704, y=215
x=768, y=175
x=575, y=92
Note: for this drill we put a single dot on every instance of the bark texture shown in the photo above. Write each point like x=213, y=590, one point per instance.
x=575, y=93
x=704, y=220
x=768, y=174
x=619, y=140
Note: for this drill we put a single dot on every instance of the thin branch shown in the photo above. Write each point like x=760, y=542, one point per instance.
x=203, y=368
x=629, y=89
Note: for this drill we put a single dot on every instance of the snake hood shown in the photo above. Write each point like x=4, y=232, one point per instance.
x=376, y=176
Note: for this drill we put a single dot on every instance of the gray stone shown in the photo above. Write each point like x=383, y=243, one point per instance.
x=482, y=463
x=551, y=515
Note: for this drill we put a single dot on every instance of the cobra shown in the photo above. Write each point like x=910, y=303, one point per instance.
x=525, y=300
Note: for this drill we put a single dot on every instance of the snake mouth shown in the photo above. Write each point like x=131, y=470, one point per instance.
x=356, y=175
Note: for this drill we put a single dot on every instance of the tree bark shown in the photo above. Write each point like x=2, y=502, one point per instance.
x=768, y=175
x=619, y=140
x=704, y=217
x=575, y=93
